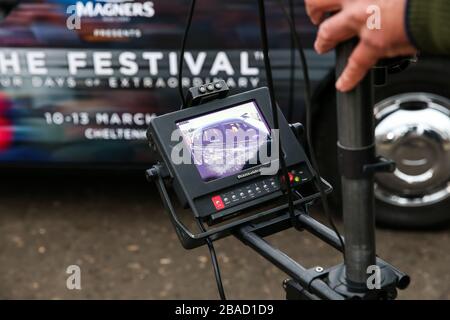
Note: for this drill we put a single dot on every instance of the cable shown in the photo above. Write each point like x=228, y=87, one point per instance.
x=183, y=48
x=292, y=67
x=215, y=263
x=308, y=104
x=212, y=250
x=269, y=80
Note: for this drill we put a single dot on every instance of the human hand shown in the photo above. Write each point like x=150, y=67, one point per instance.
x=353, y=19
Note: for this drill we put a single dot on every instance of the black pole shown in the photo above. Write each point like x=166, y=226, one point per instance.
x=356, y=146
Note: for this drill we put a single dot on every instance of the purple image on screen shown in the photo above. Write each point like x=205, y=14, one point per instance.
x=226, y=142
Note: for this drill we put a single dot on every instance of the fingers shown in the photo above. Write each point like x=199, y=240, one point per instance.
x=361, y=60
x=316, y=9
x=340, y=27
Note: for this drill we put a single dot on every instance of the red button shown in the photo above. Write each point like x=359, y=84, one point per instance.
x=291, y=177
x=218, y=203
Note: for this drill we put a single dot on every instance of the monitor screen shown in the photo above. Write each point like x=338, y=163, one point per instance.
x=226, y=142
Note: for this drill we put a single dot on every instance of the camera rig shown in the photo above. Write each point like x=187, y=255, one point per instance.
x=207, y=191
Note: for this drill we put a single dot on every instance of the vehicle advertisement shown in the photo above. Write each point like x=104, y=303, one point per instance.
x=81, y=80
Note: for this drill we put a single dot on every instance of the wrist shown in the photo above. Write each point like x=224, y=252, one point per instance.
x=427, y=25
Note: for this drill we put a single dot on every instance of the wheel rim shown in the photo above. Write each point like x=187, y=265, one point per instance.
x=413, y=129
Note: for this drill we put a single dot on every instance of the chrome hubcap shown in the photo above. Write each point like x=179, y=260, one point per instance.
x=414, y=130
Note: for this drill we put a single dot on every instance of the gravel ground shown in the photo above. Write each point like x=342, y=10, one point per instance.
x=117, y=232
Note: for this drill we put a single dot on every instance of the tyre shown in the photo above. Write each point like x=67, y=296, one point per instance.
x=412, y=115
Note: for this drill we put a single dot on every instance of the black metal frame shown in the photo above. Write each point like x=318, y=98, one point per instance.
x=317, y=283
x=358, y=163
x=189, y=239
x=327, y=284
x=344, y=281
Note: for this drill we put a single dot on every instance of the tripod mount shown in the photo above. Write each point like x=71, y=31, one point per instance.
x=350, y=280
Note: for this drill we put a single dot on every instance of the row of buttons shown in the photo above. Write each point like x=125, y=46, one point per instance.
x=250, y=191
x=245, y=193
x=263, y=187
x=210, y=87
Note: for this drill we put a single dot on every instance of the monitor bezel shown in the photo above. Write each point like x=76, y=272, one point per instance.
x=187, y=177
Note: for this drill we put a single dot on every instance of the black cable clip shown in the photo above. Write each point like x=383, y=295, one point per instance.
x=380, y=165
x=158, y=170
x=384, y=67
x=359, y=163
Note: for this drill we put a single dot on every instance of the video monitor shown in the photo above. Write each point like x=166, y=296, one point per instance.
x=222, y=156
x=228, y=141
